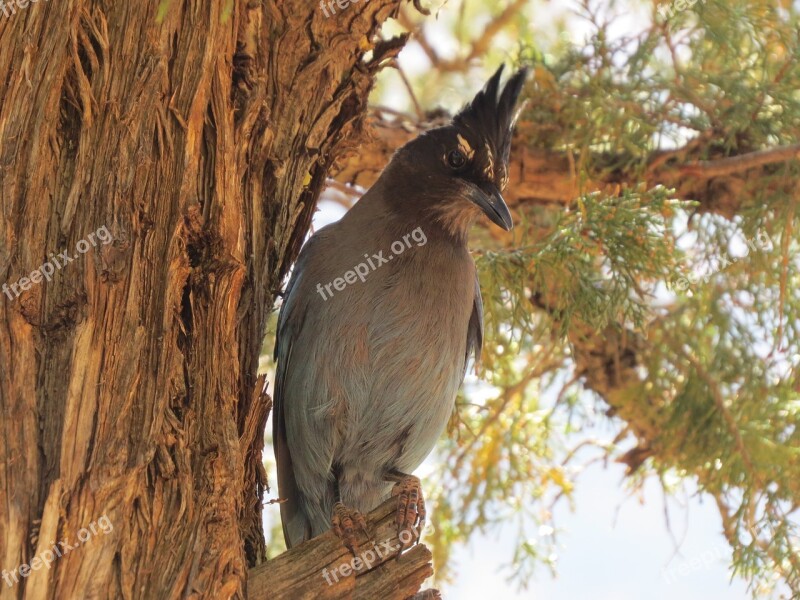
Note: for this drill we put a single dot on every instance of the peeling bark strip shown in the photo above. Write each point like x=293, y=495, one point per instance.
x=200, y=133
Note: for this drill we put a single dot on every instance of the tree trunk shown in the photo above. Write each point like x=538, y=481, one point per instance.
x=198, y=135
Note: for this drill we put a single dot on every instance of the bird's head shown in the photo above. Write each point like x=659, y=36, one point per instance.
x=461, y=170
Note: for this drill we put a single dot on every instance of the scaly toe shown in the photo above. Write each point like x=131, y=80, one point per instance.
x=410, y=510
x=346, y=522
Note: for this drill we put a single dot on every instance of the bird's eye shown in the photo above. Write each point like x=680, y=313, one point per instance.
x=456, y=159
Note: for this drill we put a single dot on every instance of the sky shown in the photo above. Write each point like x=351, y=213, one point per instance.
x=613, y=547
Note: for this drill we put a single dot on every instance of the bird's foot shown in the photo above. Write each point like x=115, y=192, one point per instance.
x=346, y=524
x=410, y=510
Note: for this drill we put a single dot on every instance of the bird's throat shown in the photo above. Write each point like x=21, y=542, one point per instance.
x=455, y=217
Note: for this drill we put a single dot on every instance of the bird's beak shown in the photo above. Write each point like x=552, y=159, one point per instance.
x=491, y=202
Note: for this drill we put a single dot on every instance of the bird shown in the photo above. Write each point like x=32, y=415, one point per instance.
x=379, y=320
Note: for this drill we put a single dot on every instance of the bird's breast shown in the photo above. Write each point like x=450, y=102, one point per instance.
x=408, y=337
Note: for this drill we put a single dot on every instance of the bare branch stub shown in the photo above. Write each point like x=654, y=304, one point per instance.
x=324, y=568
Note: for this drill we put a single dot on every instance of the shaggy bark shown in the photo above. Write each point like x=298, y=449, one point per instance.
x=199, y=134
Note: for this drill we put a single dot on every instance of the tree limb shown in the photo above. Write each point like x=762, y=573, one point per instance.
x=542, y=176
x=744, y=162
x=321, y=568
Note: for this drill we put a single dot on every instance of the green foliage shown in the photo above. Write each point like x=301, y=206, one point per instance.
x=607, y=253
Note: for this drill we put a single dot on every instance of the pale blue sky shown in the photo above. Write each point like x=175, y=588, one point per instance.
x=613, y=548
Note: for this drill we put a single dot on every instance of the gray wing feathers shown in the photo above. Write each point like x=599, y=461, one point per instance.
x=293, y=433
x=475, y=329
x=295, y=524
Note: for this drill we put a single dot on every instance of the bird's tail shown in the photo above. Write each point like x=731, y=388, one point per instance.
x=302, y=518
x=296, y=524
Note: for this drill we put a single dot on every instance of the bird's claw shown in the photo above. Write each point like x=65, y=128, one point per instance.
x=410, y=510
x=346, y=523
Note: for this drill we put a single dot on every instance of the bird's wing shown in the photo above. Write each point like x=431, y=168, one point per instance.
x=475, y=328
x=294, y=524
x=293, y=435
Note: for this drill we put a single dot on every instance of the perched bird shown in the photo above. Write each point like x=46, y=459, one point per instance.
x=379, y=319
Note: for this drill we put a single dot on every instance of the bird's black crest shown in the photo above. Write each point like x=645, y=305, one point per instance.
x=489, y=117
